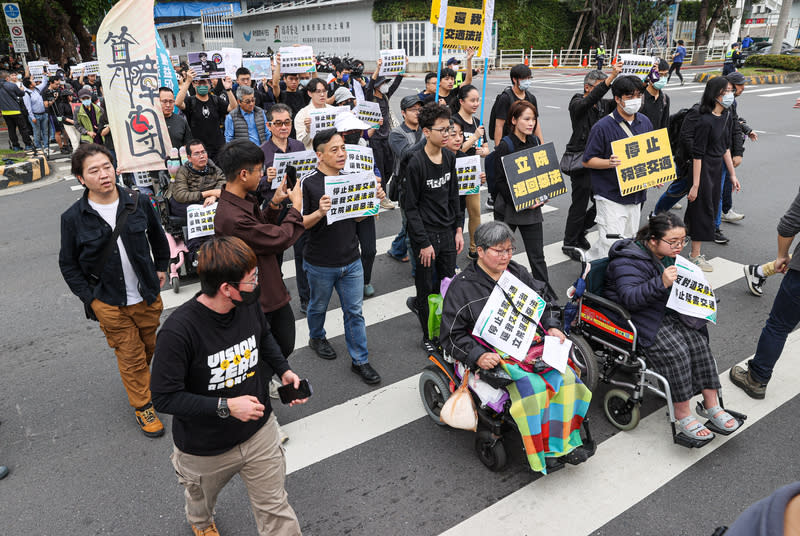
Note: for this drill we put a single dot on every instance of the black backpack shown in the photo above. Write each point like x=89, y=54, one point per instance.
x=674, y=130
x=509, y=93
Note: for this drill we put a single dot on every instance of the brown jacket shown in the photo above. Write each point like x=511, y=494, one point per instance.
x=259, y=229
x=189, y=183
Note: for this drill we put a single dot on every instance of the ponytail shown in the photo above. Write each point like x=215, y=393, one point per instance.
x=658, y=225
x=463, y=91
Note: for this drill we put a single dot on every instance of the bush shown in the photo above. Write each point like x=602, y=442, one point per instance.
x=776, y=61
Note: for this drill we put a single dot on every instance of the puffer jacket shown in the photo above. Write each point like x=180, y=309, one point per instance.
x=190, y=183
x=633, y=280
x=464, y=301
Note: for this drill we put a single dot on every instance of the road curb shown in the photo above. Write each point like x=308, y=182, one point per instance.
x=36, y=168
x=786, y=78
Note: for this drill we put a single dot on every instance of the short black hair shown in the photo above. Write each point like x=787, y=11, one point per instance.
x=448, y=72
x=165, y=88
x=520, y=72
x=311, y=87
x=324, y=136
x=191, y=143
x=27, y=82
x=279, y=107
x=429, y=76
x=237, y=155
x=84, y=151
x=627, y=85
x=663, y=65
x=223, y=259
x=431, y=112
x=53, y=79
x=680, y=41
x=339, y=67
x=201, y=54
x=242, y=70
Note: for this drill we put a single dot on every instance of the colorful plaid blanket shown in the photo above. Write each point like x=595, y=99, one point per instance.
x=549, y=409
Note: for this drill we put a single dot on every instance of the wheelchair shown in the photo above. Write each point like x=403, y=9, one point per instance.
x=615, y=348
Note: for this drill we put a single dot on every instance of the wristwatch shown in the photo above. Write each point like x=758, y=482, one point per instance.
x=222, y=408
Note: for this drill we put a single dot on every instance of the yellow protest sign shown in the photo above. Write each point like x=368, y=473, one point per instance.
x=438, y=11
x=646, y=161
x=464, y=28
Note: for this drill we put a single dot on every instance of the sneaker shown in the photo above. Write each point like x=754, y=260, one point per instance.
x=369, y=290
x=387, y=204
x=210, y=530
x=322, y=348
x=720, y=238
x=754, y=281
x=411, y=303
x=149, y=421
x=742, y=379
x=677, y=206
x=490, y=203
x=304, y=307
x=701, y=261
x=731, y=216
x=66, y=150
x=273, y=388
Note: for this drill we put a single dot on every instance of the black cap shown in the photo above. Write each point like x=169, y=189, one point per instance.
x=736, y=78
x=409, y=101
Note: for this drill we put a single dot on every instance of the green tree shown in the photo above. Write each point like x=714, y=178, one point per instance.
x=709, y=14
x=633, y=18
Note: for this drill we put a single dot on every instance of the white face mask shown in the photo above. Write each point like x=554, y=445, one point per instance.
x=632, y=106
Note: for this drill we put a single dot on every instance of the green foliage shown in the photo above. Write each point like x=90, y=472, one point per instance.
x=688, y=11
x=776, y=61
x=520, y=23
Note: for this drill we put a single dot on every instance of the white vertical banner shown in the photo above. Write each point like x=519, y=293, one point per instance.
x=126, y=52
x=488, y=19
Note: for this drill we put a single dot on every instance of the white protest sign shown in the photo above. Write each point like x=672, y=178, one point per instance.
x=297, y=60
x=325, y=118
x=555, y=353
x=53, y=69
x=232, y=60
x=37, y=70
x=359, y=159
x=90, y=67
x=259, y=67
x=352, y=196
x=468, y=169
x=304, y=161
x=636, y=65
x=207, y=64
x=691, y=294
x=509, y=318
x=393, y=62
x=369, y=112
x=200, y=220
x=358, y=92
x=142, y=178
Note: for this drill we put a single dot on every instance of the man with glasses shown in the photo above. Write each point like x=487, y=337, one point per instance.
x=433, y=211
x=264, y=96
x=291, y=94
x=318, y=93
x=178, y=128
x=248, y=120
x=204, y=111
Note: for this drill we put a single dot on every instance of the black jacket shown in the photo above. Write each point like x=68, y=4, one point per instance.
x=464, y=301
x=84, y=234
x=584, y=112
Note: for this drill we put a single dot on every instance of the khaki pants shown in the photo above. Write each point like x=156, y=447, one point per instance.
x=260, y=463
x=131, y=331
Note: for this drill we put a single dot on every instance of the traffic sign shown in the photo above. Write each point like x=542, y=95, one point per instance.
x=16, y=31
x=11, y=10
x=14, y=21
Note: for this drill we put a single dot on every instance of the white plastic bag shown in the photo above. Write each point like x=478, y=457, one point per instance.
x=459, y=410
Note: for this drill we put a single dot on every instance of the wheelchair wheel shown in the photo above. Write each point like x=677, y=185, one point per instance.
x=585, y=360
x=434, y=389
x=615, y=404
x=491, y=450
x=175, y=283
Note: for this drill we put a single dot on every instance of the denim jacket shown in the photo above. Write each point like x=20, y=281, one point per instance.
x=84, y=234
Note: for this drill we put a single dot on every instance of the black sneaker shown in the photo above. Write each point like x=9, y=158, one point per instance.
x=584, y=244
x=411, y=303
x=367, y=373
x=490, y=203
x=754, y=281
x=570, y=250
x=323, y=348
x=720, y=238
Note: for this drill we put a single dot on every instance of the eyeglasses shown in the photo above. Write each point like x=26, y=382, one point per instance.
x=198, y=153
x=442, y=130
x=286, y=123
x=247, y=101
x=504, y=252
x=252, y=284
x=678, y=243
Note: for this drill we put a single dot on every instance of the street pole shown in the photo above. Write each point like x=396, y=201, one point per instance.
x=780, y=29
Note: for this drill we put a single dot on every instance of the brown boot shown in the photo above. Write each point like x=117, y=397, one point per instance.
x=210, y=530
x=149, y=421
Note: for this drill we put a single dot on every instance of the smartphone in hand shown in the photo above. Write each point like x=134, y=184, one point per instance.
x=288, y=393
x=291, y=177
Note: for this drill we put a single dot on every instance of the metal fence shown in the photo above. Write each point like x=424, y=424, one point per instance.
x=217, y=27
x=509, y=58
x=575, y=57
x=540, y=58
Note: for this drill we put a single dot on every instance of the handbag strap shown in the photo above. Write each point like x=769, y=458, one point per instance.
x=94, y=275
x=624, y=126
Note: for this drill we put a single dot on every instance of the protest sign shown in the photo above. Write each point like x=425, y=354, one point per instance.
x=200, y=220
x=325, y=118
x=352, y=196
x=646, y=161
x=90, y=67
x=369, y=112
x=232, y=60
x=464, y=28
x=533, y=175
x=37, y=70
x=304, y=161
x=53, y=69
x=166, y=71
x=636, y=65
x=297, y=60
x=75, y=71
x=259, y=67
x=691, y=294
x=126, y=50
x=359, y=159
x=393, y=62
x=508, y=320
x=176, y=60
x=207, y=64
x=468, y=169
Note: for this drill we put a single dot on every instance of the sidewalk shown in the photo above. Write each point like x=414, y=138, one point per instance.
x=34, y=170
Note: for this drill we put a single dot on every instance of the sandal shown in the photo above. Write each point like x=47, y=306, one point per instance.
x=692, y=431
x=719, y=421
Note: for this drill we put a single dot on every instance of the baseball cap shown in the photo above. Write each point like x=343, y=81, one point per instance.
x=409, y=101
x=736, y=78
x=84, y=92
x=342, y=94
x=453, y=61
x=346, y=121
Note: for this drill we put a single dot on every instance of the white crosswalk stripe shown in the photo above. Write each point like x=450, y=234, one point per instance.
x=781, y=94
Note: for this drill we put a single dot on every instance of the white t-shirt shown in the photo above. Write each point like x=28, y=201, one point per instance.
x=109, y=214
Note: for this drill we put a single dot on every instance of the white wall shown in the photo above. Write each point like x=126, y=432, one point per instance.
x=189, y=31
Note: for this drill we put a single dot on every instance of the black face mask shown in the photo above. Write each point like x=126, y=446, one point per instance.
x=248, y=297
x=352, y=138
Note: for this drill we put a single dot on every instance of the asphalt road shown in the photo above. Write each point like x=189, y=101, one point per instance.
x=366, y=461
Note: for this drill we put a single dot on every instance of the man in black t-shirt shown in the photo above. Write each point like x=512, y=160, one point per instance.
x=206, y=112
x=331, y=259
x=521, y=80
x=213, y=359
x=433, y=212
x=291, y=94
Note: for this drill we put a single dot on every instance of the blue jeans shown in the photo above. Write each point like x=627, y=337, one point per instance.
x=783, y=318
x=349, y=284
x=40, y=128
x=726, y=199
x=676, y=190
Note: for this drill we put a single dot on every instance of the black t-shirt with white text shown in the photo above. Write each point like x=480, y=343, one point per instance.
x=332, y=245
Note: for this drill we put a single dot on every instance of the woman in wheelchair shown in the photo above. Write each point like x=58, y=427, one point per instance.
x=639, y=277
x=548, y=407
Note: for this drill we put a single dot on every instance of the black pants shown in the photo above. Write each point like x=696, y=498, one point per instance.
x=365, y=229
x=18, y=121
x=579, y=219
x=533, y=238
x=281, y=324
x=677, y=68
x=384, y=158
x=429, y=278
x=300, y=274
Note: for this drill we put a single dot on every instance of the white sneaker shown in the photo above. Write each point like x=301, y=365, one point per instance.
x=273, y=388
x=701, y=261
x=387, y=204
x=676, y=206
x=284, y=437
x=731, y=216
